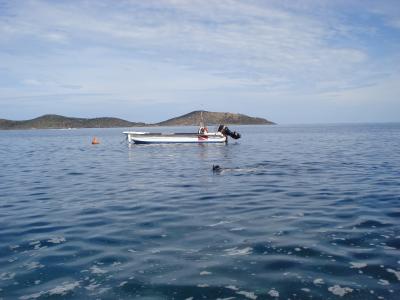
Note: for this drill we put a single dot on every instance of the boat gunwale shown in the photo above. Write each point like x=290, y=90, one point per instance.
x=178, y=134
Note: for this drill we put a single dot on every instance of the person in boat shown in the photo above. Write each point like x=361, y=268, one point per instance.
x=202, y=130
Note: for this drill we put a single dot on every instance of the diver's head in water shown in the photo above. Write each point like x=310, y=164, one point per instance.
x=217, y=168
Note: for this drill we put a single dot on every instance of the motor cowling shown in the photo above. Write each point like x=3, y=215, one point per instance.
x=226, y=131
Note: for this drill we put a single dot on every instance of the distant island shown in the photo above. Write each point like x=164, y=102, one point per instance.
x=193, y=118
x=214, y=118
x=61, y=122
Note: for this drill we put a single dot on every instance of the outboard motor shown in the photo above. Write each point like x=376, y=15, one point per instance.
x=225, y=131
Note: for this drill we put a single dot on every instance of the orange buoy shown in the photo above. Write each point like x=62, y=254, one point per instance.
x=95, y=141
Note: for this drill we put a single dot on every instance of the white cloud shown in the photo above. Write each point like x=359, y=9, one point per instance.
x=33, y=82
x=174, y=49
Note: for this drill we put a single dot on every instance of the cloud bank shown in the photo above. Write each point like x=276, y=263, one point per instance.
x=146, y=60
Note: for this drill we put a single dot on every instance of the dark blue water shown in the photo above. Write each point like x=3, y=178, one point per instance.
x=297, y=212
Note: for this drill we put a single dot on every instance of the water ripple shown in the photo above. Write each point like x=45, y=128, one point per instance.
x=295, y=212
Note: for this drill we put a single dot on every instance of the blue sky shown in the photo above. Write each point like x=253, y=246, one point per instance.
x=305, y=61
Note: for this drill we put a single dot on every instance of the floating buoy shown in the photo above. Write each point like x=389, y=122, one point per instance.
x=95, y=141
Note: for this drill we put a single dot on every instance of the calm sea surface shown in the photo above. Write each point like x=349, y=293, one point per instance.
x=297, y=212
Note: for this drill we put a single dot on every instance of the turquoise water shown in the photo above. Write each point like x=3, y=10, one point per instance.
x=297, y=212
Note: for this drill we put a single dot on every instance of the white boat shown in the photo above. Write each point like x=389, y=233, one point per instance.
x=162, y=138
x=201, y=137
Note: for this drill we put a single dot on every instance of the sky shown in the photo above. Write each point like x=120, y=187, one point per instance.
x=304, y=61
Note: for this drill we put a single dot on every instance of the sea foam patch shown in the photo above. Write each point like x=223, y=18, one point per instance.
x=318, y=281
x=357, y=265
x=92, y=286
x=204, y=273
x=33, y=265
x=61, y=290
x=7, y=275
x=248, y=295
x=220, y=223
x=383, y=282
x=57, y=240
x=97, y=270
x=273, y=293
x=237, y=251
x=339, y=291
x=64, y=288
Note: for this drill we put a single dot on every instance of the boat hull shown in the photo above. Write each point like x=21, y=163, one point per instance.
x=149, y=138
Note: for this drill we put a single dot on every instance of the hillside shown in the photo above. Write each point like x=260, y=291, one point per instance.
x=194, y=118
x=58, y=122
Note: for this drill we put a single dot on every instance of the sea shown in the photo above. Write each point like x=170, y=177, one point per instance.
x=294, y=212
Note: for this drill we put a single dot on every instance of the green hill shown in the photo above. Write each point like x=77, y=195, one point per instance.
x=194, y=118
x=59, y=122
